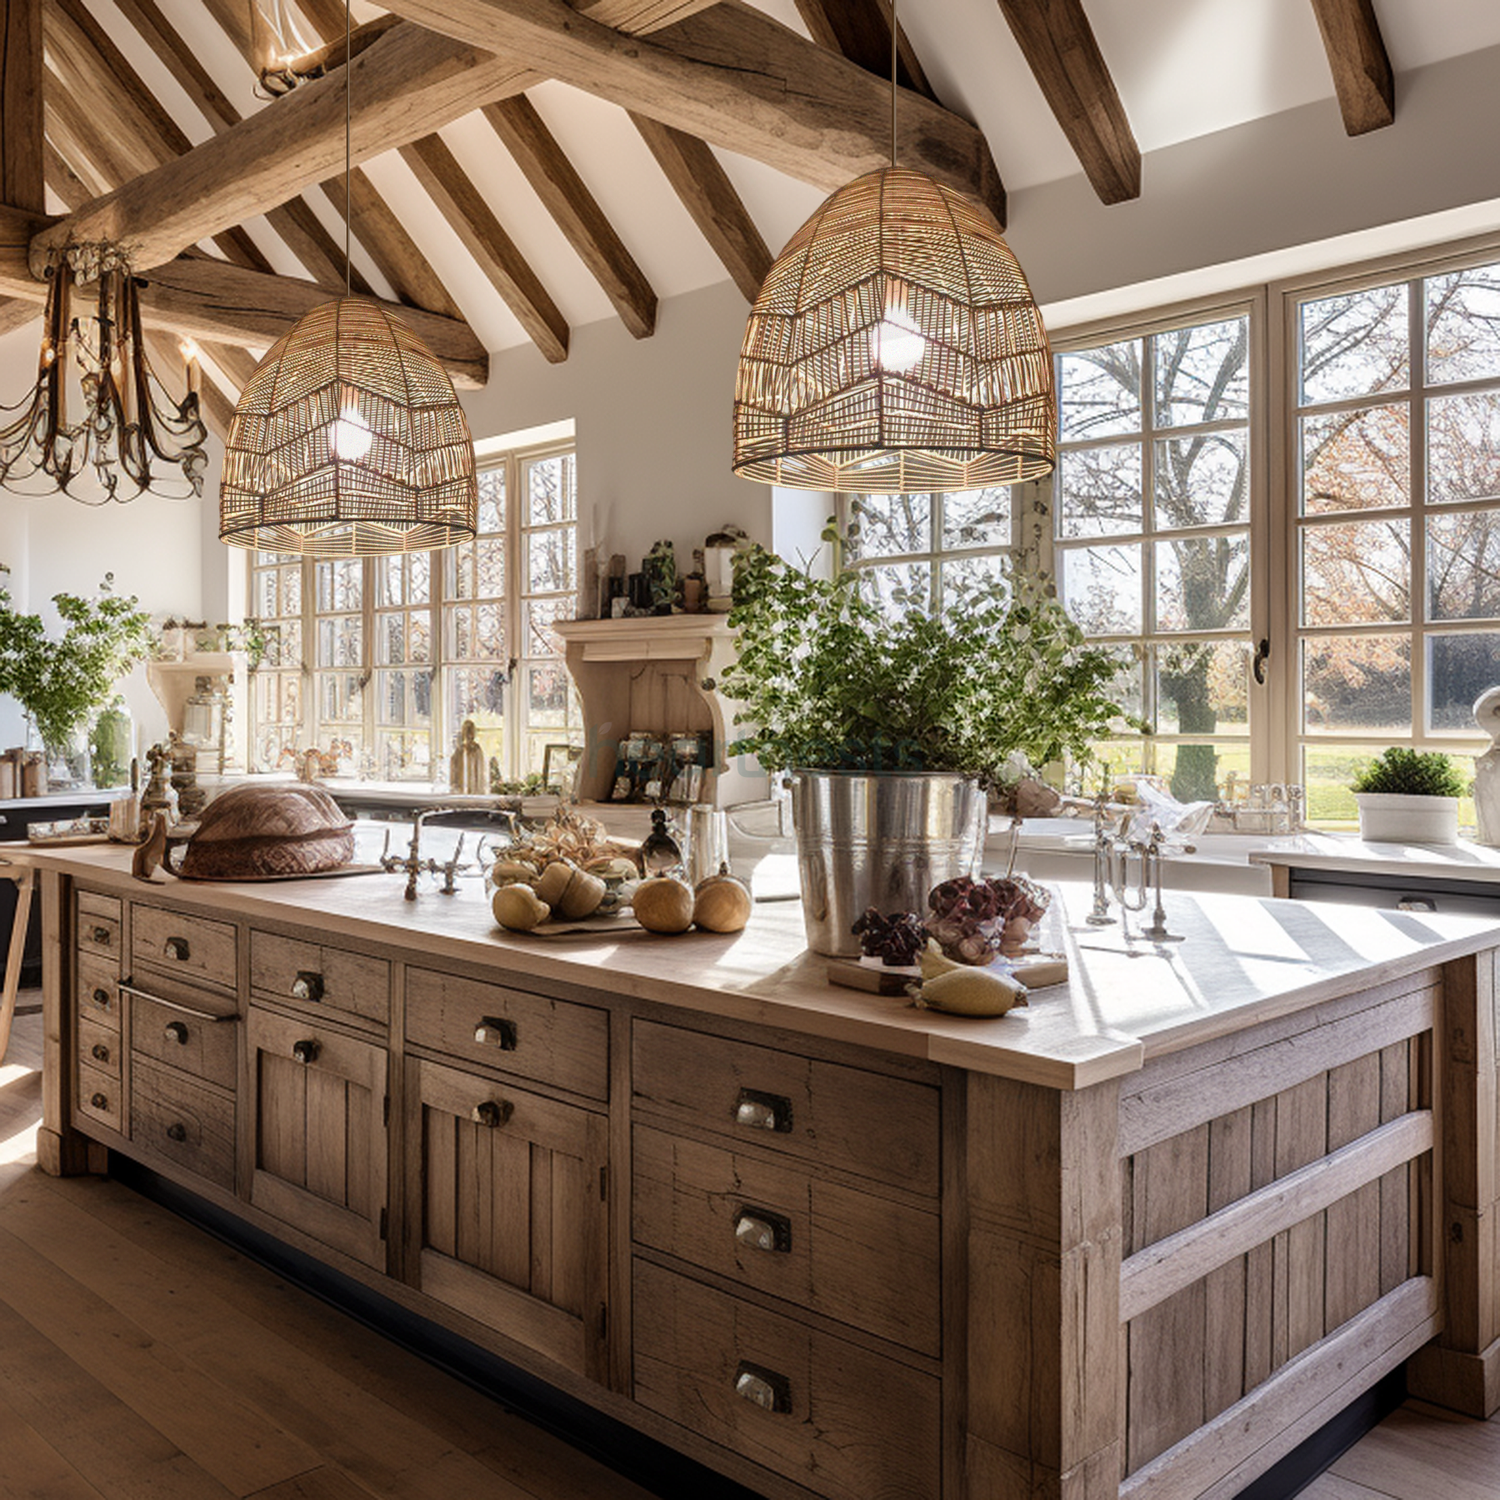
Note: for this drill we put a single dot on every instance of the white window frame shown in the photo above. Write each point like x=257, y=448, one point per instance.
x=442, y=733
x=1410, y=268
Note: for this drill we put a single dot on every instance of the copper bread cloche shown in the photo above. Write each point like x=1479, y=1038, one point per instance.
x=267, y=833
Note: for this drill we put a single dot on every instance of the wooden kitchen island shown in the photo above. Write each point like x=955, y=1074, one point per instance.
x=1139, y=1239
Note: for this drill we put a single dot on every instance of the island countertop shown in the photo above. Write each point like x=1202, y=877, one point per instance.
x=1462, y=861
x=1243, y=960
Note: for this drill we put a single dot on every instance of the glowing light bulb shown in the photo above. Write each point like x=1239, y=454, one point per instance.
x=897, y=344
x=351, y=436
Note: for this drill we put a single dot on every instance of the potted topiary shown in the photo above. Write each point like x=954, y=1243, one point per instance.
x=892, y=726
x=1406, y=796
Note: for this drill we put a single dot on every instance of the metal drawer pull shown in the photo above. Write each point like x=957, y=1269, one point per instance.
x=100, y=1052
x=760, y=1229
x=762, y=1387
x=491, y=1032
x=126, y=988
x=175, y=1031
x=176, y=949
x=492, y=1114
x=305, y=1052
x=308, y=985
x=763, y=1111
x=99, y=935
x=100, y=1101
x=100, y=997
x=177, y=1131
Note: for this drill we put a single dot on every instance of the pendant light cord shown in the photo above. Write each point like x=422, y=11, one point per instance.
x=895, y=34
x=349, y=150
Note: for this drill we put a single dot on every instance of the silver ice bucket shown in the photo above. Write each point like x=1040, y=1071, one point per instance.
x=880, y=839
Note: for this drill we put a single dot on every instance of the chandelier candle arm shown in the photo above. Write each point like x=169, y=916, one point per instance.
x=127, y=424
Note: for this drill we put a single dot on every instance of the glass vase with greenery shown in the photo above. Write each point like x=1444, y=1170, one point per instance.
x=60, y=680
x=827, y=680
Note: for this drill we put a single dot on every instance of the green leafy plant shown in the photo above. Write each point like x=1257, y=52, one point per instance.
x=59, y=682
x=1410, y=773
x=829, y=681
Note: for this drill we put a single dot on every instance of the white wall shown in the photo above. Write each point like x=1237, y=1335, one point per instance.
x=1261, y=200
x=653, y=423
x=156, y=548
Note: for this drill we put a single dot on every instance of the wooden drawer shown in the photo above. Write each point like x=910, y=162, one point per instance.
x=99, y=925
x=177, y=1117
x=512, y=1228
x=99, y=1046
x=288, y=969
x=96, y=988
x=99, y=1097
x=191, y=947
x=775, y=1226
x=849, y=1423
x=185, y=1030
x=827, y=1113
x=551, y=1041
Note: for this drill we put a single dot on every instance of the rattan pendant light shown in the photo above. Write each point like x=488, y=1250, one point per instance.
x=895, y=347
x=348, y=439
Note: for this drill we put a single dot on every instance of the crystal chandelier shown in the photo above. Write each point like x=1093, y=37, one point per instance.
x=97, y=408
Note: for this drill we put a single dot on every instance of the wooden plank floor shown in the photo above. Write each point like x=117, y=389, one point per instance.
x=141, y=1358
x=1418, y=1453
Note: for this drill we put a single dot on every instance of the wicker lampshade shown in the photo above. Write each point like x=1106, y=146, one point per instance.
x=895, y=347
x=348, y=441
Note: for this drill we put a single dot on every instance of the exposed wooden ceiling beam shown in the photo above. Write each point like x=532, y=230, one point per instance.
x=294, y=220
x=484, y=237
x=22, y=181
x=121, y=110
x=470, y=217
x=640, y=16
x=331, y=54
x=408, y=83
x=396, y=254
x=710, y=197
x=1361, y=67
x=1059, y=46
x=210, y=299
x=575, y=210
x=737, y=78
x=861, y=31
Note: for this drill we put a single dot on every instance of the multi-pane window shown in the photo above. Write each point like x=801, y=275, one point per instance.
x=1151, y=545
x=1397, y=518
x=474, y=622
x=276, y=689
x=404, y=648
x=919, y=550
x=341, y=676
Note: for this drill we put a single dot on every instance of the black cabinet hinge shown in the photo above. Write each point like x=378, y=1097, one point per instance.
x=385, y=1222
x=604, y=1184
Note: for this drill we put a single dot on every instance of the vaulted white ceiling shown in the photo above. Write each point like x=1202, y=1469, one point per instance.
x=1183, y=69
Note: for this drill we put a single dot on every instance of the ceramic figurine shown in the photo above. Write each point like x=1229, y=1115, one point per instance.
x=1487, y=769
x=467, y=773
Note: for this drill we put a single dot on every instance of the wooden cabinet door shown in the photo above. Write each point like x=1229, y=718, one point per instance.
x=510, y=1223
x=317, y=1123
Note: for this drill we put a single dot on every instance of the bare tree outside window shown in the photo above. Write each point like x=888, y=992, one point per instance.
x=1151, y=501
